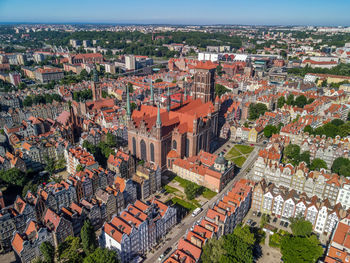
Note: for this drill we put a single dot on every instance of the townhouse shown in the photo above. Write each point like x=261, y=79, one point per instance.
x=286, y=204
x=137, y=229
x=26, y=245
x=75, y=156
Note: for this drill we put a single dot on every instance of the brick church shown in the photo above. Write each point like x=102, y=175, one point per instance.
x=180, y=130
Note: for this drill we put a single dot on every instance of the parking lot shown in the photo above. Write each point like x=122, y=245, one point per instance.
x=254, y=218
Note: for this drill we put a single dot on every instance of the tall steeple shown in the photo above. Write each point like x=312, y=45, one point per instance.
x=168, y=100
x=95, y=75
x=128, y=110
x=152, y=93
x=159, y=121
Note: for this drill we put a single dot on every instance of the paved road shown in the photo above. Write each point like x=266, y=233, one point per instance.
x=180, y=230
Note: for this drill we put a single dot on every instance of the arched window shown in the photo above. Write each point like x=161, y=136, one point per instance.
x=134, y=146
x=152, y=152
x=174, y=145
x=187, y=152
x=200, y=143
x=143, y=150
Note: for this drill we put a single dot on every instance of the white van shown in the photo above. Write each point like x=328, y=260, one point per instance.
x=196, y=211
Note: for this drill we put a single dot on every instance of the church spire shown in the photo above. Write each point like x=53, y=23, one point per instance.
x=169, y=100
x=159, y=122
x=128, y=111
x=152, y=94
x=94, y=75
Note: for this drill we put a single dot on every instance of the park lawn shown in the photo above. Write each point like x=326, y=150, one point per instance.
x=233, y=153
x=181, y=181
x=170, y=189
x=244, y=149
x=190, y=206
x=239, y=161
x=209, y=194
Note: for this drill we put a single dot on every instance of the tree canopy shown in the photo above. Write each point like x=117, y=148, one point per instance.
x=256, y=110
x=220, y=90
x=297, y=249
x=88, y=237
x=341, y=166
x=102, y=255
x=317, y=164
x=269, y=130
x=300, y=227
x=48, y=251
x=331, y=129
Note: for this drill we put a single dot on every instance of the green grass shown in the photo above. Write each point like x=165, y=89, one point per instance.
x=244, y=149
x=233, y=153
x=181, y=181
x=209, y=194
x=170, y=189
x=187, y=205
x=239, y=161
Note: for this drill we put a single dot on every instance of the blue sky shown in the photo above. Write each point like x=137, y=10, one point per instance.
x=266, y=12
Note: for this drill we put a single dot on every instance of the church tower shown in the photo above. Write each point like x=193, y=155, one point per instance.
x=96, y=87
x=204, y=81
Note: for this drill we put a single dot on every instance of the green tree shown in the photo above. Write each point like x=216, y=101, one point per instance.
x=290, y=99
x=88, y=237
x=317, y=164
x=236, y=250
x=102, y=255
x=300, y=227
x=341, y=166
x=300, y=249
x=292, y=153
x=269, y=130
x=48, y=251
x=79, y=168
x=264, y=220
x=191, y=190
x=245, y=234
x=50, y=165
x=69, y=250
x=255, y=110
x=280, y=102
x=305, y=157
x=309, y=129
x=212, y=251
x=158, y=80
x=300, y=101
x=13, y=176
x=337, y=122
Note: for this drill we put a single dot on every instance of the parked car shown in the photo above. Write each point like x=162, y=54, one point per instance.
x=281, y=223
x=259, y=214
x=274, y=220
x=167, y=251
x=286, y=224
x=254, y=213
x=161, y=257
x=253, y=224
x=249, y=222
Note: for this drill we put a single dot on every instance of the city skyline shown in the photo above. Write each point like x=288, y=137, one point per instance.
x=252, y=12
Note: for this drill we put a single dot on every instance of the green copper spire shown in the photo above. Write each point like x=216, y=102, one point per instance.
x=299, y=85
x=152, y=94
x=128, y=111
x=159, y=122
x=169, y=100
x=94, y=75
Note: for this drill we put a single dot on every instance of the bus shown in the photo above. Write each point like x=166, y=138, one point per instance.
x=196, y=211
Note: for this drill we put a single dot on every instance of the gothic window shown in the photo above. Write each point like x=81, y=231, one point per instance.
x=143, y=150
x=174, y=145
x=187, y=152
x=152, y=152
x=134, y=145
x=200, y=143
